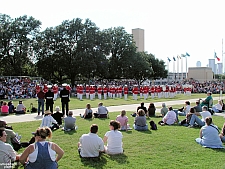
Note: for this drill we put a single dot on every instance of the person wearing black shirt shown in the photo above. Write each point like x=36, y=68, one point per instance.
x=49, y=95
x=64, y=95
x=58, y=115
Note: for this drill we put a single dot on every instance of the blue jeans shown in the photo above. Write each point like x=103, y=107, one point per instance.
x=195, y=119
x=41, y=105
x=140, y=128
x=215, y=110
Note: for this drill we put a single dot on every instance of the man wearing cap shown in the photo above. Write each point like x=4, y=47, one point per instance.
x=125, y=91
x=49, y=96
x=64, y=95
x=49, y=121
x=69, y=122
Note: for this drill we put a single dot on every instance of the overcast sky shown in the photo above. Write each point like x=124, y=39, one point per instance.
x=172, y=27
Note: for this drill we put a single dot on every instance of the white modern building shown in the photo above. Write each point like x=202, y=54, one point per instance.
x=198, y=64
x=138, y=35
x=212, y=65
x=219, y=68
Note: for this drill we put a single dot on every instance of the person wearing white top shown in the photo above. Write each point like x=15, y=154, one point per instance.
x=186, y=109
x=170, y=117
x=42, y=154
x=49, y=121
x=90, y=144
x=218, y=107
x=200, y=122
x=113, y=139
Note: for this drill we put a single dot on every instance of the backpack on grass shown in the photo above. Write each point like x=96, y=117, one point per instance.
x=153, y=126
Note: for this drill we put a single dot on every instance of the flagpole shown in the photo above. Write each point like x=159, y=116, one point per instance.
x=182, y=77
x=178, y=68
x=222, y=59
x=168, y=63
x=174, y=72
x=186, y=67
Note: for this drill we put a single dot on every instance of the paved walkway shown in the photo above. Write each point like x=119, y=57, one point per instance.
x=77, y=112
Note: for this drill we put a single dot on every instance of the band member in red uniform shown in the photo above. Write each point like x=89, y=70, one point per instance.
x=145, y=91
x=135, y=92
x=55, y=89
x=141, y=91
x=167, y=91
x=87, y=91
x=99, y=92
x=105, y=91
x=81, y=91
x=120, y=89
x=37, y=88
x=153, y=91
x=113, y=91
x=125, y=91
x=45, y=88
x=92, y=92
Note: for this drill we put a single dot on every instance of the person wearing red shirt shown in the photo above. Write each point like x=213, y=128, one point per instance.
x=45, y=88
x=92, y=92
x=141, y=91
x=37, y=88
x=125, y=91
x=153, y=91
x=55, y=91
x=99, y=92
x=135, y=92
x=113, y=91
x=167, y=91
x=145, y=92
x=120, y=91
x=81, y=89
x=105, y=91
x=87, y=91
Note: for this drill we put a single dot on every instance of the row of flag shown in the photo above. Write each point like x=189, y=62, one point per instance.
x=184, y=55
x=178, y=57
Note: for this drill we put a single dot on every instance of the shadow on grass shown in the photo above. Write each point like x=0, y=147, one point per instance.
x=70, y=132
x=219, y=149
x=121, y=158
x=145, y=132
x=97, y=163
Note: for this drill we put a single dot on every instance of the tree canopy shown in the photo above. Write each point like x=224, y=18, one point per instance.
x=75, y=50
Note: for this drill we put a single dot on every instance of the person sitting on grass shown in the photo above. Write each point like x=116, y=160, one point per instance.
x=42, y=154
x=151, y=110
x=186, y=109
x=58, y=115
x=88, y=114
x=186, y=121
x=164, y=109
x=209, y=135
x=169, y=119
x=140, y=121
x=49, y=121
x=113, y=139
x=218, y=107
x=123, y=119
x=140, y=107
x=91, y=145
x=222, y=135
x=20, y=109
x=207, y=99
x=200, y=122
x=7, y=153
x=197, y=107
x=102, y=111
x=11, y=107
x=4, y=109
x=69, y=122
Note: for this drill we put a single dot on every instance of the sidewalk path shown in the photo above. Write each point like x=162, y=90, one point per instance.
x=77, y=112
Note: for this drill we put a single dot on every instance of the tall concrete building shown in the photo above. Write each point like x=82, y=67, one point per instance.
x=212, y=65
x=198, y=64
x=139, y=38
x=219, y=68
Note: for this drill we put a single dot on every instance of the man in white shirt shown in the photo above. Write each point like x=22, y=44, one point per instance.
x=170, y=117
x=49, y=121
x=7, y=154
x=201, y=122
x=91, y=144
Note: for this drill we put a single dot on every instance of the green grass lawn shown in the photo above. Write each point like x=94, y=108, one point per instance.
x=169, y=147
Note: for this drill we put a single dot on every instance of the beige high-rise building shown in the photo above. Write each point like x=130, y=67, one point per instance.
x=139, y=38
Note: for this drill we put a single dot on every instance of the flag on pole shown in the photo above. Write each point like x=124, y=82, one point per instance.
x=183, y=55
x=187, y=54
x=215, y=56
x=178, y=57
x=168, y=59
x=174, y=58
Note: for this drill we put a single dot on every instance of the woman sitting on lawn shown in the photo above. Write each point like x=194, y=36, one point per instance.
x=4, y=109
x=88, y=114
x=218, y=107
x=113, y=139
x=140, y=121
x=209, y=135
x=42, y=154
x=187, y=120
x=123, y=119
x=151, y=110
x=164, y=109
